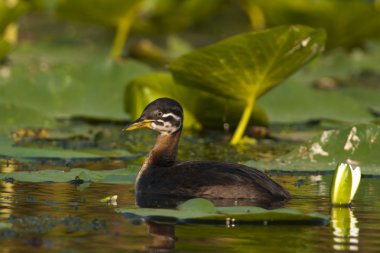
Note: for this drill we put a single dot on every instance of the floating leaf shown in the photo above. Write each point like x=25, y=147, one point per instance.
x=57, y=87
x=356, y=144
x=149, y=87
x=118, y=176
x=296, y=101
x=198, y=210
x=246, y=66
x=23, y=153
x=8, y=149
x=39, y=153
x=14, y=116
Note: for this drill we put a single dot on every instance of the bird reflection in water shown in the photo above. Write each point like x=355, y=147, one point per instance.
x=163, y=237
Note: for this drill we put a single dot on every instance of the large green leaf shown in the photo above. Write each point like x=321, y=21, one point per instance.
x=77, y=176
x=198, y=210
x=246, y=66
x=146, y=88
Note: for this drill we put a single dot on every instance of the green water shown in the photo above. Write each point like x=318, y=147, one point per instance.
x=61, y=217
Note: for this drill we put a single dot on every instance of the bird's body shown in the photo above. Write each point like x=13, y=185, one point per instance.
x=162, y=177
x=209, y=179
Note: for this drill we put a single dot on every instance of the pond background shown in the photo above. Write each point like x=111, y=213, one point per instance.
x=62, y=90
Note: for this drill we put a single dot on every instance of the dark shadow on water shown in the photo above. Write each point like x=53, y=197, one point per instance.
x=162, y=237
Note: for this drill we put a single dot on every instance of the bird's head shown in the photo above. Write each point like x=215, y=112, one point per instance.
x=163, y=115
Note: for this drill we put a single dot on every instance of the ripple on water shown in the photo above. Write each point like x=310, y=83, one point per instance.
x=57, y=215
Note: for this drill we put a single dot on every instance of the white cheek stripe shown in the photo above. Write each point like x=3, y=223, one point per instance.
x=171, y=114
x=163, y=130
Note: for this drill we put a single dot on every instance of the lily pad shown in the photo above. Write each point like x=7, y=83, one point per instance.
x=60, y=88
x=246, y=66
x=201, y=210
x=9, y=150
x=357, y=145
x=149, y=87
x=14, y=116
x=297, y=101
x=38, y=153
x=76, y=176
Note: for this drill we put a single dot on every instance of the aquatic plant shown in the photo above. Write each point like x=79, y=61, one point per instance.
x=246, y=66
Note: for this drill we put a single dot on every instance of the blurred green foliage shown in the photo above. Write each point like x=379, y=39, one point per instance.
x=57, y=87
x=220, y=111
x=168, y=16
x=9, y=13
x=104, y=12
x=246, y=66
x=147, y=16
x=116, y=13
x=4, y=48
x=238, y=69
x=348, y=23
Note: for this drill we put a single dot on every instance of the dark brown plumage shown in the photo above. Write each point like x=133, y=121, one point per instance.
x=161, y=178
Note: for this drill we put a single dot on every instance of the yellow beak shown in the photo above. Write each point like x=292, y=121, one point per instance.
x=138, y=124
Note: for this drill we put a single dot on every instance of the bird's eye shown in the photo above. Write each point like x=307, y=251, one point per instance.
x=159, y=114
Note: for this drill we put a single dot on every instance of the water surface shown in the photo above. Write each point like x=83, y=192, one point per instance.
x=63, y=217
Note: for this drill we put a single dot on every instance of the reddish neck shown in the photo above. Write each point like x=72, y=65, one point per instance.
x=164, y=152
